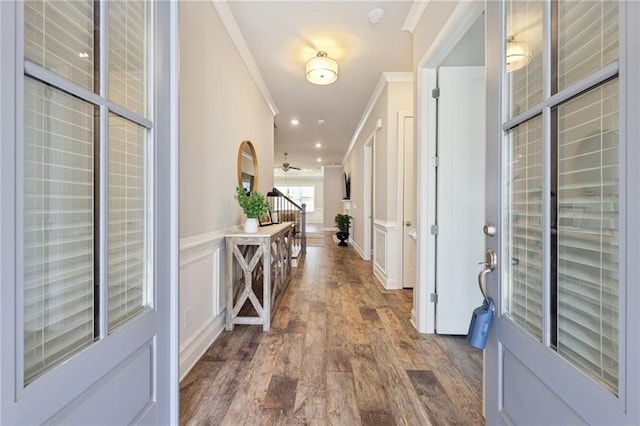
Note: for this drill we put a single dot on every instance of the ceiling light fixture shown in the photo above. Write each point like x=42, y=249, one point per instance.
x=295, y=122
x=318, y=145
x=518, y=54
x=319, y=160
x=322, y=69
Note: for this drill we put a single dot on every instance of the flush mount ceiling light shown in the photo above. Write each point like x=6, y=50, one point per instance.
x=518, y=54
x=322, y=69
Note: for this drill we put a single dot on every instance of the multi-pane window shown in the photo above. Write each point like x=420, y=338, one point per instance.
x=303, y=194
x=86, y=180
x=562, y=184
x=524, y=273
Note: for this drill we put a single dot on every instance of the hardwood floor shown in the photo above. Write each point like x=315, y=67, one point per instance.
x=341, y=352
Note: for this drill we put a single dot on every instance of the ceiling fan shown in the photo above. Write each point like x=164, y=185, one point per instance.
x=286, y=166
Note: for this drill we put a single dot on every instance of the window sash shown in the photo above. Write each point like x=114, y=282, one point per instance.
x=44, y=346
x=557, y=93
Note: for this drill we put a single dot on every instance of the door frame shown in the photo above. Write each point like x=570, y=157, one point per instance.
x=369, y=194
x=460, y=21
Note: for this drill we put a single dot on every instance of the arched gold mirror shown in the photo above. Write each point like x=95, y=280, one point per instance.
x=247, y=166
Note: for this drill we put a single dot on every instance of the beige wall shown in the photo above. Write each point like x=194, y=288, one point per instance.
x=333, y=193
x=395, y=97
x=220, y=106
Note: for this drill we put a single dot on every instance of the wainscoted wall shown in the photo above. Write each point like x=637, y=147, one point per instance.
x=387, y=257
x=202, y=304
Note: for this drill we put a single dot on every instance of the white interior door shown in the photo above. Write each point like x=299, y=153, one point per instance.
x=562, y=185
x=409, y=234
x=88, y=223
x=460, y=196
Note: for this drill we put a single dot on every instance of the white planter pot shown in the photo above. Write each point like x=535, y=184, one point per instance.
x=251, y=225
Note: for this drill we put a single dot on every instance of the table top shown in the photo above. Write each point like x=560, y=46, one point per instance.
x=263, y=231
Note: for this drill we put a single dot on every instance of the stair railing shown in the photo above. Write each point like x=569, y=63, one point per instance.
x=289, y=211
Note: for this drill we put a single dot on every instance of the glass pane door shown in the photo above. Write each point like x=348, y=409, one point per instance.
x=561, y=189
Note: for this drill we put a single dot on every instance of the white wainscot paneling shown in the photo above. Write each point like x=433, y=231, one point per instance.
x=387, y=261
x=202, y=316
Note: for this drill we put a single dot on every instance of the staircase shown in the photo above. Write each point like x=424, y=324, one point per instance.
x=289, y=211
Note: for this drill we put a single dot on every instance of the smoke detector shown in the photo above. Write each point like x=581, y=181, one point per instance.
x=376, y=15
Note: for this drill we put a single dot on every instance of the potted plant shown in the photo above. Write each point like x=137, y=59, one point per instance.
x=343, y=221
x=254, y=206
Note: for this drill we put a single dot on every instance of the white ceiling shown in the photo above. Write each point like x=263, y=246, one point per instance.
x=282, y=35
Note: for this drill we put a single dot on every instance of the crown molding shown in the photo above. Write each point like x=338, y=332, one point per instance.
x=385, y=79
x=414, y=15
x=230, y=24
x=456, y=26
x=398, y=77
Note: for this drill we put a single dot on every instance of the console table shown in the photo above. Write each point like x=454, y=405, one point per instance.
x=257, y=263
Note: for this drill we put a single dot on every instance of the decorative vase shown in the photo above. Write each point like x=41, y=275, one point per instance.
x=251, y=225
x=342, y=236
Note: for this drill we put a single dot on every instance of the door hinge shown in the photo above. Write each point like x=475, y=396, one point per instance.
x=434, y=297
x=435, y=161
x=434, y=229
x=435, y=93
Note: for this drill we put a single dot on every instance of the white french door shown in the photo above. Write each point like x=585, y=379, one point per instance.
x=88, y=212
x=562, y=175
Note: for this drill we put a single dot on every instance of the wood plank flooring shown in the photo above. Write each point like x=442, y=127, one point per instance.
x=341, y=352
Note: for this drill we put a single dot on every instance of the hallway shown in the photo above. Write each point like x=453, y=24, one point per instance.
x=342, y=352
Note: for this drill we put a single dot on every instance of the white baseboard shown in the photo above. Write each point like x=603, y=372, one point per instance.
x=357, y=248
x=380, y=275
x=192, y=350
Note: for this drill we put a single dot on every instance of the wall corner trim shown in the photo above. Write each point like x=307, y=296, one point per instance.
x=385, y=79
x=231, y=25
x=414, y=15
x=456, y=26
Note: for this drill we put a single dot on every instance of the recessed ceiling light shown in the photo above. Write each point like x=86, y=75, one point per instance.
x=295, y=122
x=83, y=54
x=318, y=145
x=320, y=122
x=319, y=160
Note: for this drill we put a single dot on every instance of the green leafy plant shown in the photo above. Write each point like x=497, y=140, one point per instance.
x=253, y=204
x=342, y=222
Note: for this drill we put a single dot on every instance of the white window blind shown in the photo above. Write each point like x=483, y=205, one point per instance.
x=128, y=211
x=58, y=227
x=58, y=35
x=524, y=25
x=587, y=38
x=127, y=54
x=62, y=146
x=524, y=216
x=588, y=232
x=581, y=182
